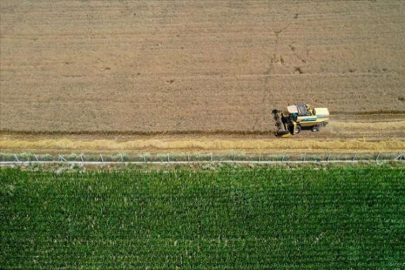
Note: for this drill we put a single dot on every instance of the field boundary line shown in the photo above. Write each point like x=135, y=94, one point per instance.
x=27, y=159
x=28, y=163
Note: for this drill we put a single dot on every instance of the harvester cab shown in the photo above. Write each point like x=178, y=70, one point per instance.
x=300, y=116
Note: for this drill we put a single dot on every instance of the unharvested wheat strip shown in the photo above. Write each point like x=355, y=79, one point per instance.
x=205, y=145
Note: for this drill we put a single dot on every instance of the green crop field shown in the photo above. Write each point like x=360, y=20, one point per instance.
x=352, y=217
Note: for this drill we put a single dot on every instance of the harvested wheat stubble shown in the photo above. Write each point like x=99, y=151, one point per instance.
x=155, y=66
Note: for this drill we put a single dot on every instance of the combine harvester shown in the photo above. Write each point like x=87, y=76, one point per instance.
x=300, y=116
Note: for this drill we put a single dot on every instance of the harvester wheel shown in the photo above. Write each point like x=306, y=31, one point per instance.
x=297, y=129
x=315, y=128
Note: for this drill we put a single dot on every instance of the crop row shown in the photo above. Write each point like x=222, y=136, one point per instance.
x=231, y=218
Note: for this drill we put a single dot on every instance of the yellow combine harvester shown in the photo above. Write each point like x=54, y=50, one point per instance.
x=300, y=116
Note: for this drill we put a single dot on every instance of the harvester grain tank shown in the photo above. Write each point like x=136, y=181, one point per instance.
x=296, y=117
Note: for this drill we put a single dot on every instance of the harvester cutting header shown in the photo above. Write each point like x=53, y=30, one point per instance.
x=300, y=116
